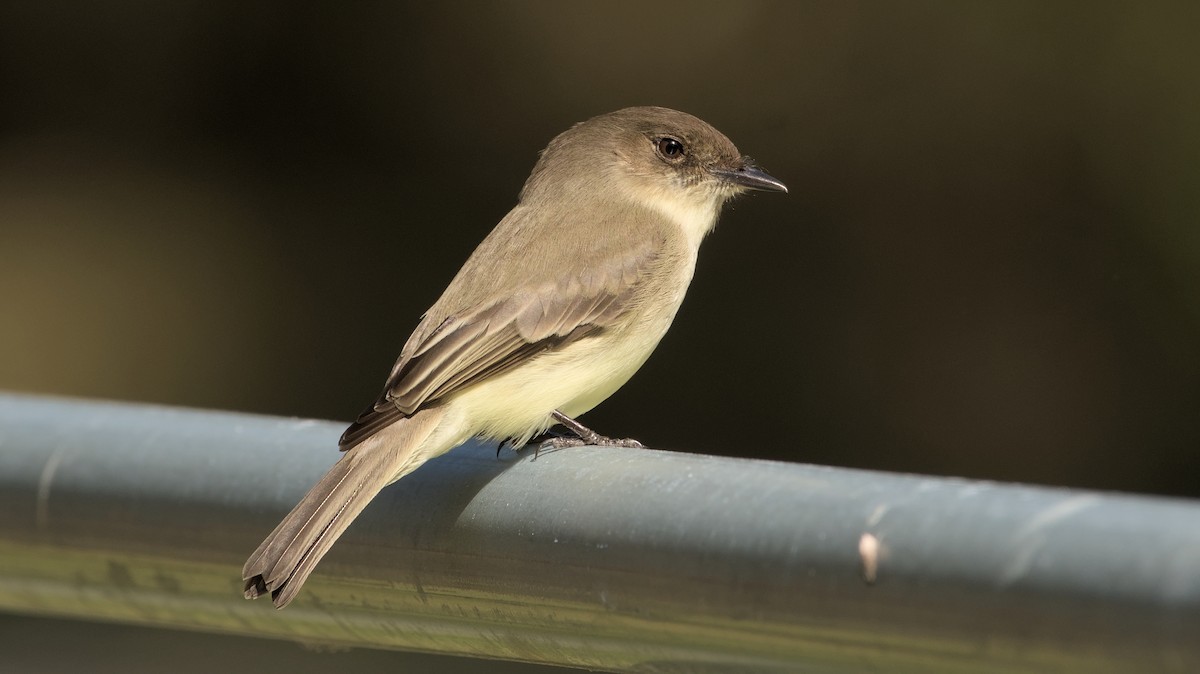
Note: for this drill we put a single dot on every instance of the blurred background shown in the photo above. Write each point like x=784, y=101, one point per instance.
x=988, y=264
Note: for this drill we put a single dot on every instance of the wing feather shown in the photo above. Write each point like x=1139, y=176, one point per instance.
x=468, y=347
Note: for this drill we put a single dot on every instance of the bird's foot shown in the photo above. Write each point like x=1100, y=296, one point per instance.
x=582, y=435
x=594, y=440
x=575, y=435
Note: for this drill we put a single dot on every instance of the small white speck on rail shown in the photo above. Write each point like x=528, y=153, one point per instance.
x=869, y=551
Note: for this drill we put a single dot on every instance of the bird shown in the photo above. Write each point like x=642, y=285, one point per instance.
x=553, y=312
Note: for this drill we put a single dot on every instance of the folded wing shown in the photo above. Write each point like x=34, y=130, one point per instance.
x=445, y=355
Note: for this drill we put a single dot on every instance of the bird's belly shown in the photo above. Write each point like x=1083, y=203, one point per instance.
x=573, y=380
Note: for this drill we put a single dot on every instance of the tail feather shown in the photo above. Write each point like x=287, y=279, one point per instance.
x=289, y=554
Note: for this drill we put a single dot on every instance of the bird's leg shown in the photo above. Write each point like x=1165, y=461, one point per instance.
x=584, y=436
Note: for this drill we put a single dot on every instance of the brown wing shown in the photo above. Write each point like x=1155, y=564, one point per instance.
x=464, y=349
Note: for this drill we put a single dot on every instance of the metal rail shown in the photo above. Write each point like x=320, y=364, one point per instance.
x=604, y=558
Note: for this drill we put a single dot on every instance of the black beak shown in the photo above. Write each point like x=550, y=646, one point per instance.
x=752, y=177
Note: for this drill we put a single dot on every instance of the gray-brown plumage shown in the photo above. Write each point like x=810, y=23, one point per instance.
x=288, y=555
x=553, y=312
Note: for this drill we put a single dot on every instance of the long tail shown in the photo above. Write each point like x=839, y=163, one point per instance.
x=284, y=560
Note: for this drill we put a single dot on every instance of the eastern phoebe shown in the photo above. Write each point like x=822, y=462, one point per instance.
x=551, y=314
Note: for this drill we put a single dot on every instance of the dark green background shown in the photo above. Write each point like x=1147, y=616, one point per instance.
x=988, y=265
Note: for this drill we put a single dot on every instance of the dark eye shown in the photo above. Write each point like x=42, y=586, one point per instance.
x=670, y=148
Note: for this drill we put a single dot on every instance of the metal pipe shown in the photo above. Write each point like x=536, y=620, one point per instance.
x=604, y=558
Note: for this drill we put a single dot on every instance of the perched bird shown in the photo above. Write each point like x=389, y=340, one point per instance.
x=552, y=313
